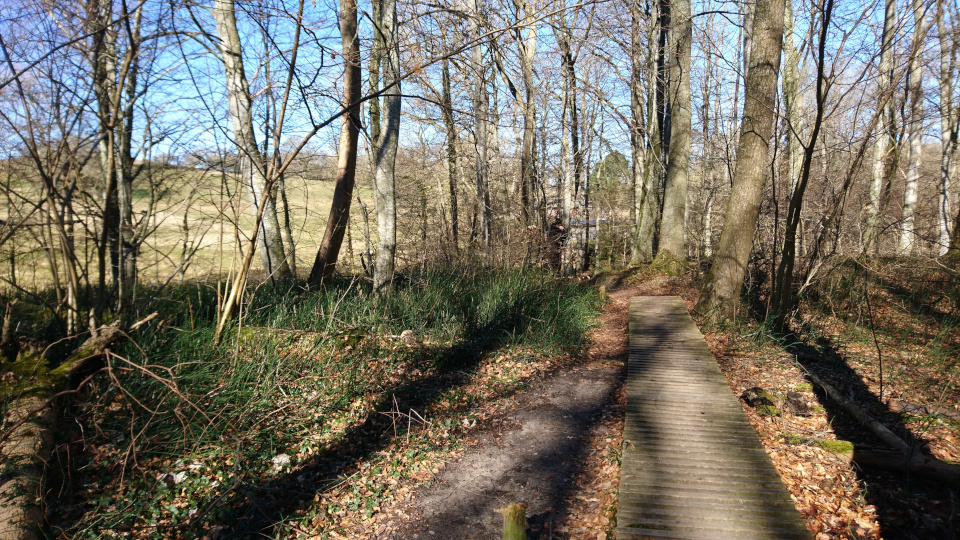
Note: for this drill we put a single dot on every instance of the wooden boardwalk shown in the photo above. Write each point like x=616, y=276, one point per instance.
x=692, y=466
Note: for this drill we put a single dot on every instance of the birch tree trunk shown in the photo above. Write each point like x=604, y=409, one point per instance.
x=270, y=241
x=881, y=147
x=706, y=169
x=339, y=219
x=566, y=167
x=385, y=164
x=907, y=244
x=948, y=123
x=720, y=297
x=672, y=246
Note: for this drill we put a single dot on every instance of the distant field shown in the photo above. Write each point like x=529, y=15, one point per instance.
x=193, y=211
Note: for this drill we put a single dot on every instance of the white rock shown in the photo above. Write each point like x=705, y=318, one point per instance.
x=280, y=461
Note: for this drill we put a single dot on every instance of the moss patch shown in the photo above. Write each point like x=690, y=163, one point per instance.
x=768, y=410
x=836, y=446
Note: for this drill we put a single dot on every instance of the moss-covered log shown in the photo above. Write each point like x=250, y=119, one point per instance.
x=27, y=440
x=904, y=458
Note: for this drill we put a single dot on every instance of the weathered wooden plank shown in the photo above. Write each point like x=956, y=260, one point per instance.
x=692, y=466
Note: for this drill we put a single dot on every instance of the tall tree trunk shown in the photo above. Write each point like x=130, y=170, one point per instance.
x=948, y=122
x=386, y=157
x=339, y=219
x=880, y=171
x=566, y=167
x=128, y=241
x=103, y=60
x=528, y=48
x=654, y=166
x=447, y=111
x=252, y=162
x=638, y=188
x=481, y=107
x=672, y=245
x=793, y=98
x=907, y=244
x=749, y=12
x=571, y=160
x=706, y=169
x=721, y=293
x=376, y=53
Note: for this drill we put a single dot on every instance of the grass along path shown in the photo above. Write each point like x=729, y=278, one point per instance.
x=555, y=447
x=313, y=417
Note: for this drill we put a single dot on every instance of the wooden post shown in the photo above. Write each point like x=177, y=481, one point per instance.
x=514, y=521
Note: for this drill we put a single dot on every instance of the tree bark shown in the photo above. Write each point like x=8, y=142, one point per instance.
x=452, y=168
x=376, y=53
x=672, y=245
x=481, y=106
x=339, y=219
x=720, y=297
x=881, y=147
x=385, y=164
x=252, y=163
x=907, y=244
x=638, y=188
x=29, y=423
x=948, y=124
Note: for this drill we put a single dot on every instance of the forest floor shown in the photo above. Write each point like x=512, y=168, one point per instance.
x=426, y=441
x=571, y=485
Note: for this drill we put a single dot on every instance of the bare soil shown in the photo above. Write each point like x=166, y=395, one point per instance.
x=557, y=450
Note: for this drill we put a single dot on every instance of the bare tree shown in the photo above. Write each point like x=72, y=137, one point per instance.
x=481, y=105
x=339, y=220
x=638, y=186
x=782, y=295
x=657, y=135
x=386, y=154
x=672, y=246
x=721, y=293
x=252, y=162
x=885, y=140
x=949, y=39
x=914, y=135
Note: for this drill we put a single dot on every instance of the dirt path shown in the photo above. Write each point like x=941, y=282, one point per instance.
x=557, y=451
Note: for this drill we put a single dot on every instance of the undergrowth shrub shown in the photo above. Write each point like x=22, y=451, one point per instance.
x=302, y=371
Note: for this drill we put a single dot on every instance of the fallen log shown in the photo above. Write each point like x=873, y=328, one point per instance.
x=904, y=458
x=27, y=441
x=857, y=413
x=922, y=410
x=915, y=464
